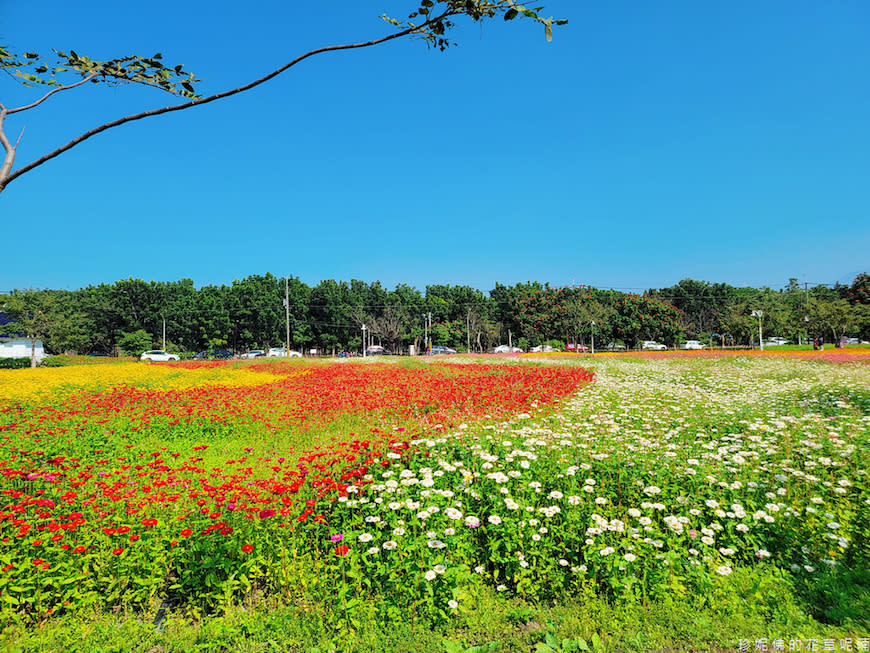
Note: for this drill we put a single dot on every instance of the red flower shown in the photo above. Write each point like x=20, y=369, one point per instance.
x=247, y=548
x=149, y=522
x=123, y=529
x=38, y=561
x=133, y=538
x=342, y=550
x=79, y=549
x=186, y=532
x=265, y=513
x=117, y=552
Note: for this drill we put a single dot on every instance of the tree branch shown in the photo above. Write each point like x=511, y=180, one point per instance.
x=9, y=157
x=6, y=179
x=50, y=93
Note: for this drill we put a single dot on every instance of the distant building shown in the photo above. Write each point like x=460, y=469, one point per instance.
x=20, y=348
x=13, y=345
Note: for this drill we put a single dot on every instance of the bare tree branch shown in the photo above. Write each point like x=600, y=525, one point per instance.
x=9, y=157
x=6, y=176
x=50, y=93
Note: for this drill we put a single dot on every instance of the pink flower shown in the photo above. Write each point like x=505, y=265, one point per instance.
x=336, y=537
x=265, y=513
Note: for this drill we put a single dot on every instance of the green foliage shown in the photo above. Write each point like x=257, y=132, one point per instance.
x=14, y=363
x=133, y=344
x=832, y=319
x=249, y=313
x=432, y=19
x=54, y=361
x=32, y=69
x=645, y=318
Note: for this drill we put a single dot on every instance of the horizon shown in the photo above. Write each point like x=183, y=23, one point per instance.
x=638, y=290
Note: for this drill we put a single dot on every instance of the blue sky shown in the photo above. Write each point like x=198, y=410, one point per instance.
x=647, y=143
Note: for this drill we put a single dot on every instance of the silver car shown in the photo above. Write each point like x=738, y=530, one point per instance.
x=280, y=351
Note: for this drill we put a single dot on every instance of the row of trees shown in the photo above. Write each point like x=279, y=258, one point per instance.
x=133, y=314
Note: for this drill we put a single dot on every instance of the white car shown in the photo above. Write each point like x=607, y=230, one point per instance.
x=157, y=355
x=776, y=342
x=543, y=349
x=506, y=349
x=653, y=345
x=280, y=351
x=253, y=353
x=692, y=344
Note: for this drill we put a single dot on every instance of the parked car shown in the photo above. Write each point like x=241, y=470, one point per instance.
x=652, y=345
x=613, y=346
x=506, y=349
x=853, y=341
x=280, y=351
x=253, y=353
x=376, y=350
x=776, y=342
x=157, y=355
x=571, y=346
x=542, y=348
x=692, y=344
x=217, y=354
x=441, y=349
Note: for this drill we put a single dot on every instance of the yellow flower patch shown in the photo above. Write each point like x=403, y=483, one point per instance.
x=29, y=384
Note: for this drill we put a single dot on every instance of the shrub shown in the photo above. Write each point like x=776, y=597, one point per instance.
x=14, y=363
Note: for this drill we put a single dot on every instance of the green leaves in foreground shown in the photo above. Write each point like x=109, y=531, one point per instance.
x=31, y=69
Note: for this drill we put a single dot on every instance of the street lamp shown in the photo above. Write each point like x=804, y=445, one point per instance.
x=364, y=340
x=593, y=336
x=759, y=315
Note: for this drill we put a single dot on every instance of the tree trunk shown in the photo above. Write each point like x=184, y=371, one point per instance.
x=33, y=352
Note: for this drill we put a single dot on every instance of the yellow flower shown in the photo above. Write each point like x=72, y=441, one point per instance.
x=33, y=384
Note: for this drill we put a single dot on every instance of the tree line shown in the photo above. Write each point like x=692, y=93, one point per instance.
x=131, y=315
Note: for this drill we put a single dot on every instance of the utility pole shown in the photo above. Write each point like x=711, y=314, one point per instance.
x=593, y=336
x=364, y=340
x=468, y=332
x=510, y=342
x=287, y=315
x=759, y=315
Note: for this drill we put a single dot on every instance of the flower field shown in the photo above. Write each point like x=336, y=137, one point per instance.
x=390, y=493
